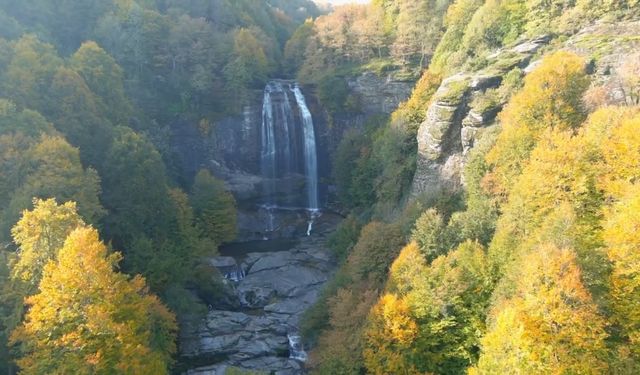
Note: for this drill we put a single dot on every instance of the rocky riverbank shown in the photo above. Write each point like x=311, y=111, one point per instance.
x=276, y=283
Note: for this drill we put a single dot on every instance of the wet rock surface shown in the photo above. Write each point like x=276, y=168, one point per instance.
x=277, y=288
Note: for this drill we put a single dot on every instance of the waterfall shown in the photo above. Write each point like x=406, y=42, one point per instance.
x=268, y=143
x=310, y=153
x=285, y=111
x=288, y=148
x=234, y=274
x=296, y=350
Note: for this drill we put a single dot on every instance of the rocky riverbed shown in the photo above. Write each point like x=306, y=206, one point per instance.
x=276, y=282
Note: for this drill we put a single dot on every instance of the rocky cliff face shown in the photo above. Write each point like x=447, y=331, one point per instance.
x=375, y=95
x=231, y=146
x=453, y=125
x=379, y=94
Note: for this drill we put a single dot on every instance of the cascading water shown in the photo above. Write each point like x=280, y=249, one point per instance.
x=288, y=149
x=268, y=150
x=310, y=153
x=296, y=350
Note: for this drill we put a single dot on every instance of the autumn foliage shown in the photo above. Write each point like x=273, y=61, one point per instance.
x=556, y=290
x=550, y=325
x=87, y=318
x=551, y=99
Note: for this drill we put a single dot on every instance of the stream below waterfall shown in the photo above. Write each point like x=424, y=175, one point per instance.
x=273, y=283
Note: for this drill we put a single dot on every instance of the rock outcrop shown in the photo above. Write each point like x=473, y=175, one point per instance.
x=452, y=125
x=609, y=46
x=379, y=94
x=276, y=288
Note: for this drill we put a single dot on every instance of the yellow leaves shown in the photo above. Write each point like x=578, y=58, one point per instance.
x=397, y=321
x=390, y=332
x=412, y=112
x=622, y=157
x=622, y=235
x=88, y=318
x=407, y=269
x=550, y=325
x=551, y=98
x=503, y=347
x=569, y=171
x=431, y=317
x=39, y=235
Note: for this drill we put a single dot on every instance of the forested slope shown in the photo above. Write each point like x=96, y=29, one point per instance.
x=526, y=263
x=491, y=220
x=88, y=90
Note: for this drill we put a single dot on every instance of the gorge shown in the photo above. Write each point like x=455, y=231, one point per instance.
x=244, y=187
x=270, y=283
x=277, y=268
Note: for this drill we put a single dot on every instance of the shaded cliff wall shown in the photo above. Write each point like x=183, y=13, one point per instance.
x=230, y=147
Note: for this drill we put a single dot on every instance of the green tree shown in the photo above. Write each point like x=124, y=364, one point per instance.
x=214, y=208
x=417, y=29
x=429, y=234
x=75, y=112
x=250, y=67
x=30, y=72
x=449, y=52
x=105, y=78
x=25, y=121
x=67, y=23
x=294, y=50
x=377, y=247
x=135, y=189
x=52, y=169
x=495, y=24
x=360, y=279
x=11, y=309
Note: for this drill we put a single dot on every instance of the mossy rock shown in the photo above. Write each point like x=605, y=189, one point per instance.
x=505, y=64
x=486, y=103
x=454, y=93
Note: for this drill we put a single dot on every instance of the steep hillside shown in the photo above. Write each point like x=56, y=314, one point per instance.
x=91, y=93
x=489, y=199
